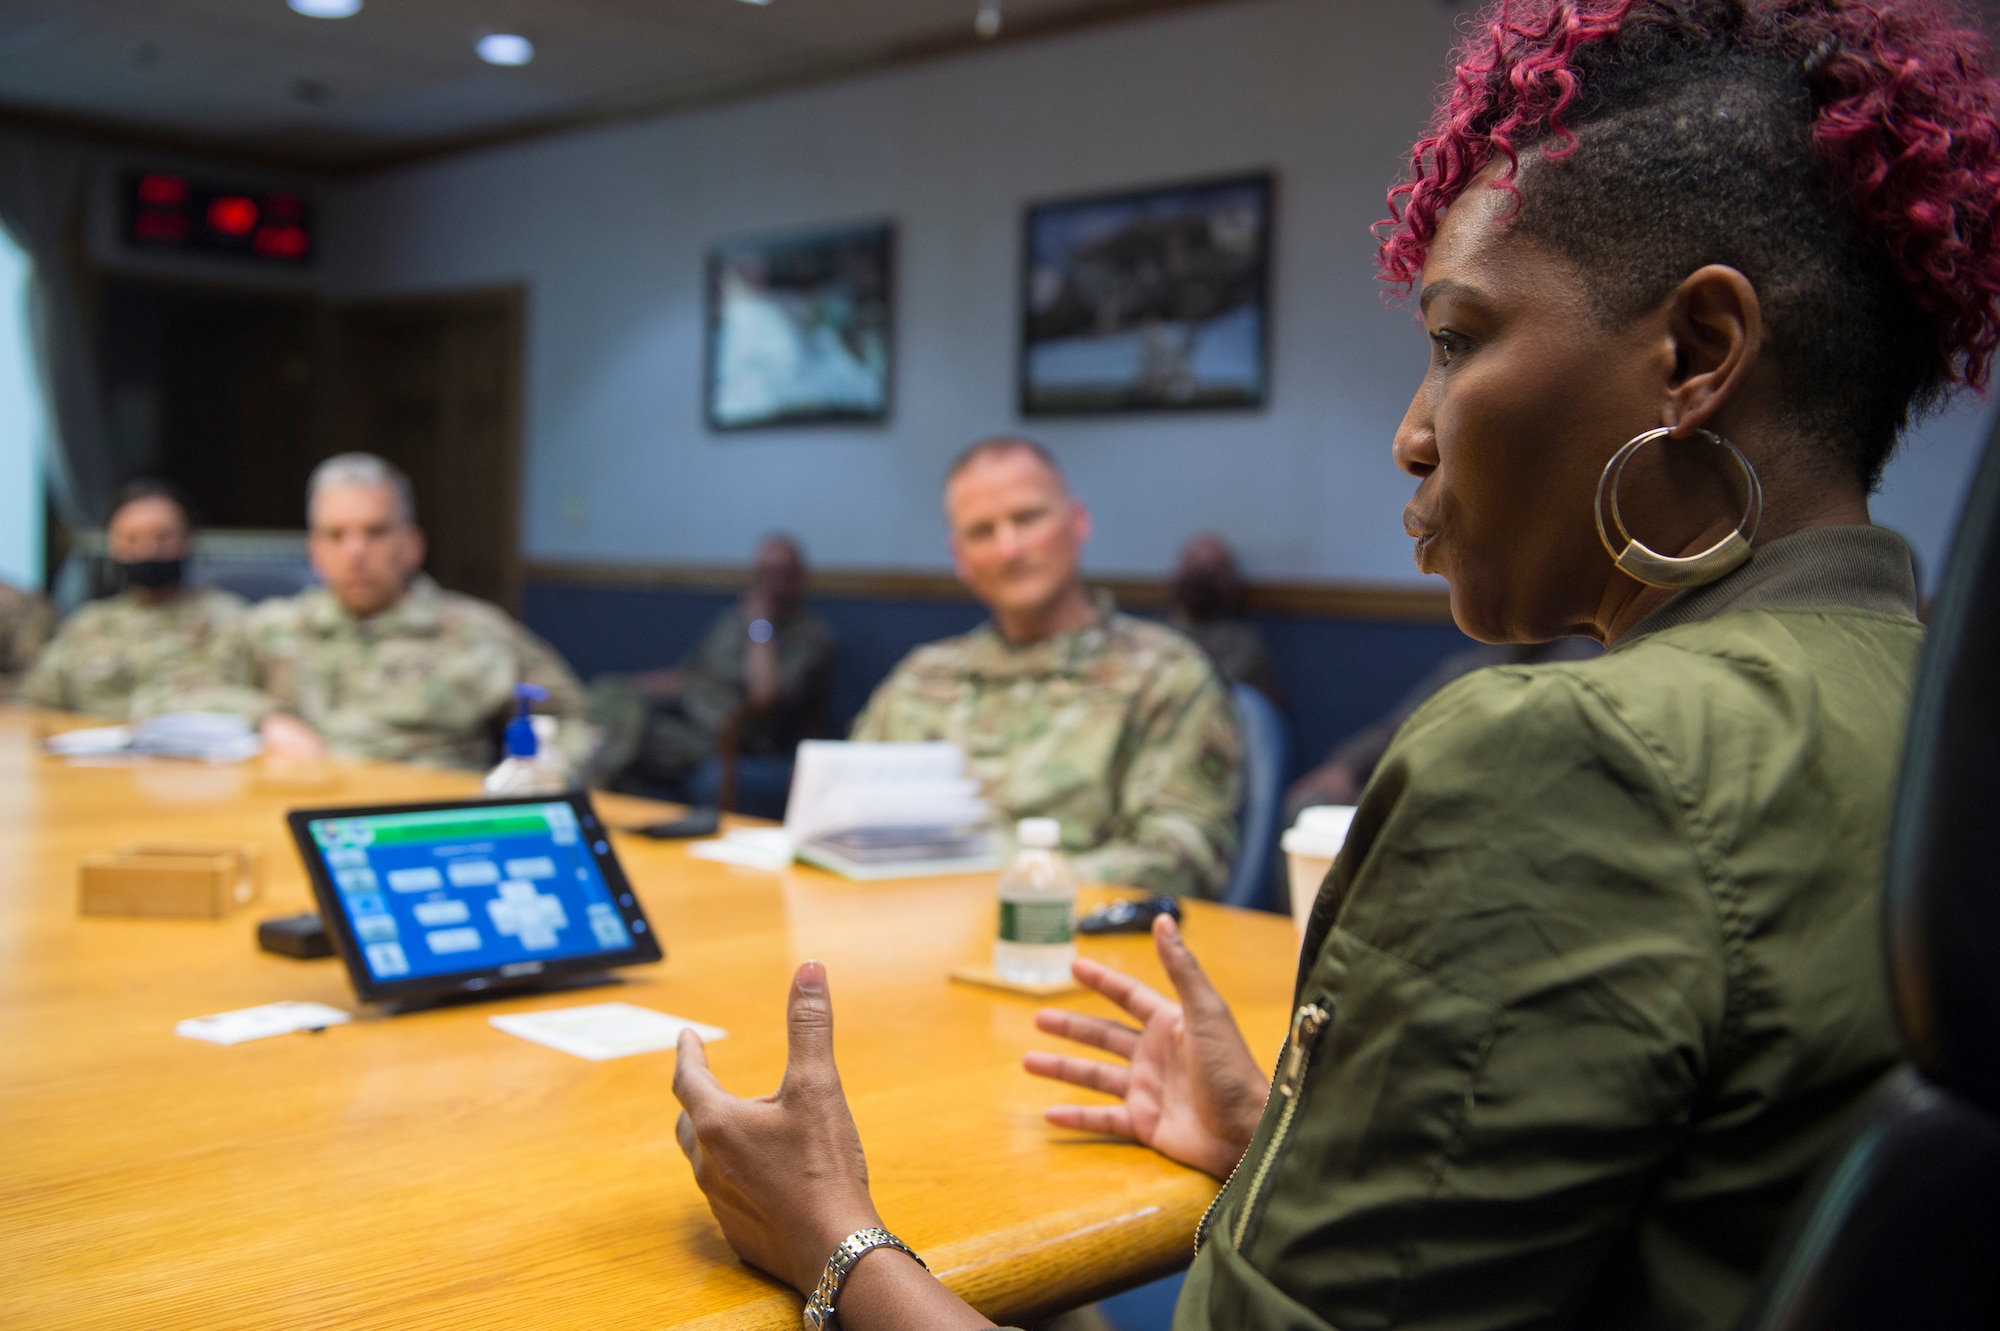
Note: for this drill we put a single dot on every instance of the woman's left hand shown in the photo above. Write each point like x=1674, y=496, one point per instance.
x=783, y=1173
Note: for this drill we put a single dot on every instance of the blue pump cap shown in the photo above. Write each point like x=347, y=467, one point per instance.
x=521, y=730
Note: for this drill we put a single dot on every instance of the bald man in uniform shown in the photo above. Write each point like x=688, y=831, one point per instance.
x=1117, y=728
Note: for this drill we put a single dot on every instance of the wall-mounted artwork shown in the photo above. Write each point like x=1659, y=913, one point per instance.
x=1148, y=300
x=799, y=328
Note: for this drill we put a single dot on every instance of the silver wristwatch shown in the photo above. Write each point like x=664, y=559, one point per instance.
x=819, y=1308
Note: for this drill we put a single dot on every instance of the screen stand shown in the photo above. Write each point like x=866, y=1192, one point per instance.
x=396, y=1007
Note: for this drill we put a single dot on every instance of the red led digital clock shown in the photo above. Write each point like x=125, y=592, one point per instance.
x=169, y=212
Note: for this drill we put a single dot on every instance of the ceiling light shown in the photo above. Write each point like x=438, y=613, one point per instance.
x=756, y=2
x=986, y=23
x=325, y=8
x=505, y=48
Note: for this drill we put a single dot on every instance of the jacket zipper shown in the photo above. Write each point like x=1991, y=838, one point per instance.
x=1307, y=1023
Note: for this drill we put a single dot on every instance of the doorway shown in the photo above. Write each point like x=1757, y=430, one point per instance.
x=211, y=388
x=433, y=384
x=235, y=395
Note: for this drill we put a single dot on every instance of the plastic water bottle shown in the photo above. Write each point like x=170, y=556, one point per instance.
x=1037, y=938
x=528, y=769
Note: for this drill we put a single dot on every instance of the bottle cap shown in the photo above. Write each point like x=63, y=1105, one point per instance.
x=1038, y=833
x=520, y=736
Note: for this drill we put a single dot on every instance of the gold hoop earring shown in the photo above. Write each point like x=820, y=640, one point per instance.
x=1677, y=573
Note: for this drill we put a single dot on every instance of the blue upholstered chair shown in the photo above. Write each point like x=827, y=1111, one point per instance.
x=1266, y=753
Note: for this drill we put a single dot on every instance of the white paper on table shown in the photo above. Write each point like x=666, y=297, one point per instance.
x=214, y=737
x=839, y=786
x=90, y=741
x=255, y=1023
x=767, y=848
x=598, y=1031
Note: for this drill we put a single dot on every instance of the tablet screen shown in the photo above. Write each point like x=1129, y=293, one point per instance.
x=455, y=890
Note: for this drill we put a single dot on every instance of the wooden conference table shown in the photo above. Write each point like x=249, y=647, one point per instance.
x=426, y=1170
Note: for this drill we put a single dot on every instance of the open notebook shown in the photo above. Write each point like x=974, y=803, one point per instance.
x=872, y=811
x=888, y=810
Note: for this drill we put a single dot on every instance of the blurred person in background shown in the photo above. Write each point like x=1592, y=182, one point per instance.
x=25, y=623
x=156, y=631
x=380, y=662
x=1116, y=727
x=1211, y=606
x=765, y=668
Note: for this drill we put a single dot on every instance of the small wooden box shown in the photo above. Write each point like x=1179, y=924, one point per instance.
x=182, y=879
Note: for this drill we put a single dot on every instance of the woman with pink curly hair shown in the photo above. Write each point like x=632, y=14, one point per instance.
x=1597, y=978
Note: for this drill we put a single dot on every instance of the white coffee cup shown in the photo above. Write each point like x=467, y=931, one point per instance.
x=1310, y=846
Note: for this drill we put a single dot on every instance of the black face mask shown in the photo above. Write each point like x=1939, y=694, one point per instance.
x=153, y=574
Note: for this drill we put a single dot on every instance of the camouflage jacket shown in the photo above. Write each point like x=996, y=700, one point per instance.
x=110, y=653
x=716, y=672
x=429, y=680
x=1120, y=730
x=25, y=621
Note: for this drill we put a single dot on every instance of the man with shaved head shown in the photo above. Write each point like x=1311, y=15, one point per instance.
x=1116, y=727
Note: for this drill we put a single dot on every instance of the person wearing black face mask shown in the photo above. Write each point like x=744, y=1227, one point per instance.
x=1210, y=607
x=154, y=636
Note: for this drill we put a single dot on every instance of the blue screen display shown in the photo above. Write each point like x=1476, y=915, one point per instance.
x=457, y=890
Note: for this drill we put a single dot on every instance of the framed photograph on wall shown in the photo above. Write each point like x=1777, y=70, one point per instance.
x=1148, y=300
x=799, y=328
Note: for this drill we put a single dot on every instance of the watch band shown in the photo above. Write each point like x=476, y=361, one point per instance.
x=819, y=1313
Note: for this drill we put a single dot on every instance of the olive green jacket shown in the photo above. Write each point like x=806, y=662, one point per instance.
x=1593, y=985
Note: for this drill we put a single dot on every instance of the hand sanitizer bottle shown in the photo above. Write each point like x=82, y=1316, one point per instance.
x=527, y=769
x=1037, y=938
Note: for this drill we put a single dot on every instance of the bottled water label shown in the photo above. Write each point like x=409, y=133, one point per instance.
x=1036, y=922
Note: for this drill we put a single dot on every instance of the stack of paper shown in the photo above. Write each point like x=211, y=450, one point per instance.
x=214, y=737
x=888, y=810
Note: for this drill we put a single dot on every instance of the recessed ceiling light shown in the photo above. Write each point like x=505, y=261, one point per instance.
x=505, y=48
x=756, y=2
x=325, y=8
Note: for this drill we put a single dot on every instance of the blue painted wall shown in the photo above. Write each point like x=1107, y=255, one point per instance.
x=1338, y=674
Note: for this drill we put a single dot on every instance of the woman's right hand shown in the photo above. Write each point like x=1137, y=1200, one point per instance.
x=1189, y=1087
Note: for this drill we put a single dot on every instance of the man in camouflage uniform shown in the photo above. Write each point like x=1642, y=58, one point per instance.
x=111, y=653
x=25, y=621
x=765, y=667
x=380, y=662
x=1116, y=727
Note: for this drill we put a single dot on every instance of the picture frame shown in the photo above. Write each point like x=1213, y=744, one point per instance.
x=800, y=328
x=1154, y=299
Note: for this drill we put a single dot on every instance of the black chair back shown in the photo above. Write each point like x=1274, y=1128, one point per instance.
x=1903, y=1229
